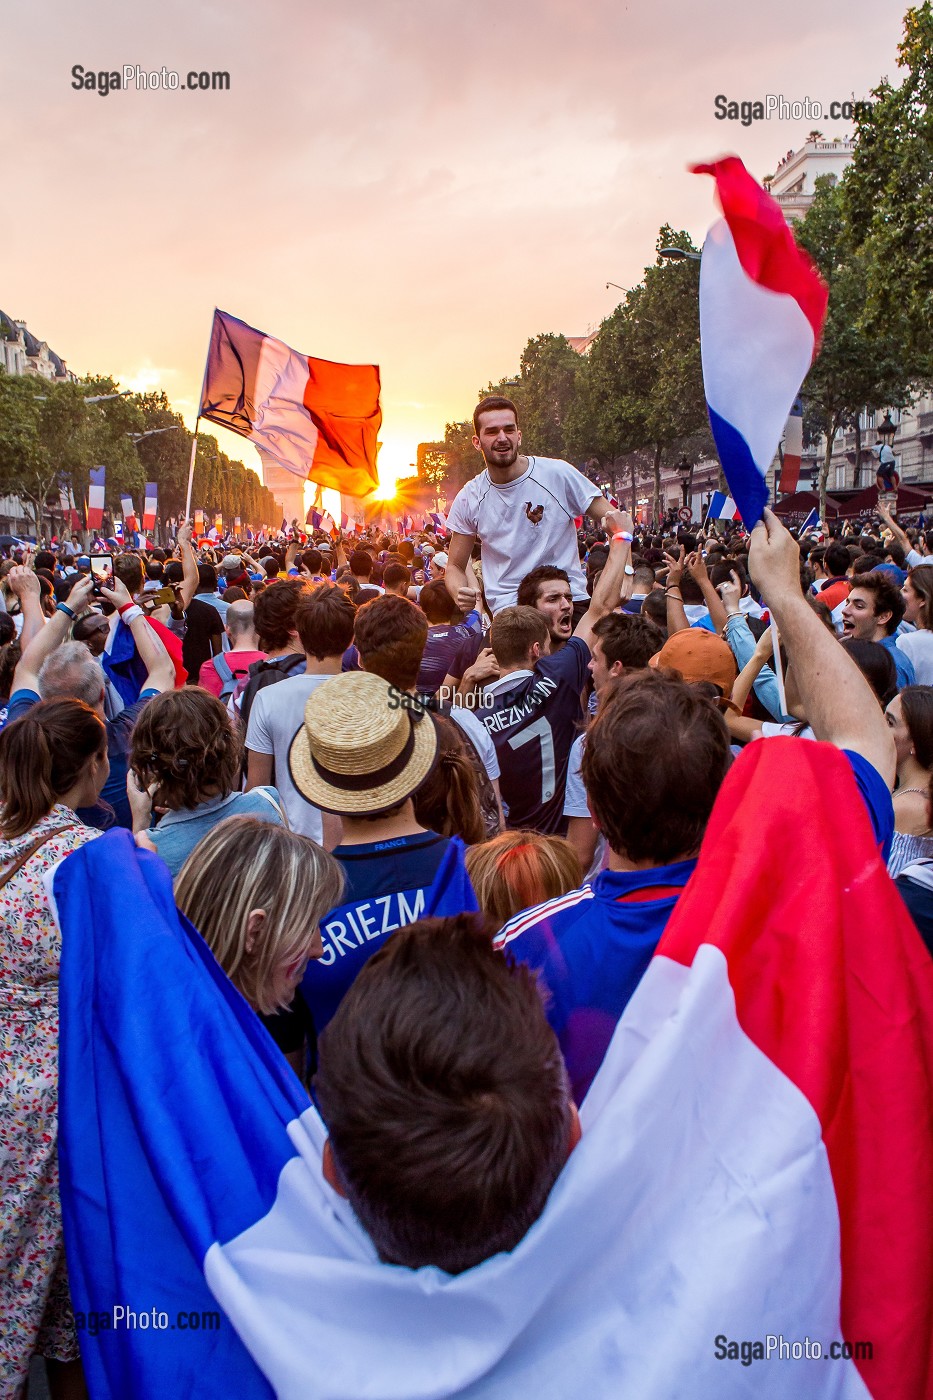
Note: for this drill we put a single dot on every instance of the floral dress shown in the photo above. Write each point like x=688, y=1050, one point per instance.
x=35, y=1307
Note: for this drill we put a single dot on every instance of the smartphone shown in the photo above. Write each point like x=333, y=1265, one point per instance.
x=102, y=571
x=163, y=595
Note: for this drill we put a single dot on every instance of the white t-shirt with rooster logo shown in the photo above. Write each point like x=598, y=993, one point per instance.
x=528, y=522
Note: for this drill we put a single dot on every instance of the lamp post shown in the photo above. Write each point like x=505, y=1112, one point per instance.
x=886, y=429
x=684, y=470
x=678, y=255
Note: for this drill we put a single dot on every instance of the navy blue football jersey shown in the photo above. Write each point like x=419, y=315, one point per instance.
x=533, y=724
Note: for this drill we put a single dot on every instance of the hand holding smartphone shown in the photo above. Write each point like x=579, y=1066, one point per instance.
x=101, y=572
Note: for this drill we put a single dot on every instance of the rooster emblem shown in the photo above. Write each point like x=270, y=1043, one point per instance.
x=534, y=513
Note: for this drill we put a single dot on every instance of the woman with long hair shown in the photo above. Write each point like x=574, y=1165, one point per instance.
x=448, y=800
x=52, y=762
x=257, y=892
x=910, y=719
x=918, y=610
x=185, y=766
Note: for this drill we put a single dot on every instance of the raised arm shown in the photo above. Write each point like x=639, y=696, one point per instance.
x=696, y=567
x=608, y=590
x=673, y=597
x=189, y=564
x=25, y=584
x=458, y=556
x=26, y=675
x=159, y=666
x=837, y=699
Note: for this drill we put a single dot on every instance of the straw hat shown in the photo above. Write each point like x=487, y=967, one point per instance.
x=364, y=745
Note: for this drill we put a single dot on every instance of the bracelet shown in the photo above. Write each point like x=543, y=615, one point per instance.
x=672, y=587
x=130, y=612
x=63, y=607
x=125, y=606
x=624, y=535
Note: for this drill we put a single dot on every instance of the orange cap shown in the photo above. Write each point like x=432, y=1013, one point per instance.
x=699, y=655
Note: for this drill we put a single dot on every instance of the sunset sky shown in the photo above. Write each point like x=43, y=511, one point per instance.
x=419, y=185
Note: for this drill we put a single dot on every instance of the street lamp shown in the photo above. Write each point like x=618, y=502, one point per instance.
x=678, y=255
x=886, y=429
x=684, y=470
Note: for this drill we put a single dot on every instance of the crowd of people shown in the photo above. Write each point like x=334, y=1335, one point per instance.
x=301, y=731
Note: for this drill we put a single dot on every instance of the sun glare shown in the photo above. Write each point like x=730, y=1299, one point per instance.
x=395, y=462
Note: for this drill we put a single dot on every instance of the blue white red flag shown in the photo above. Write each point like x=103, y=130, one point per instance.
x=812, y=521
x=754, y=1163
x=439, y=518
x=762, y=308
x=95, y=497
x=150, y=505
x=721, y=507
x=129, y=512
x=793, y=448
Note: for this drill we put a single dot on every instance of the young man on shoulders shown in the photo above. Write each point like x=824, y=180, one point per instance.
x=522, y=510
x=532, y=711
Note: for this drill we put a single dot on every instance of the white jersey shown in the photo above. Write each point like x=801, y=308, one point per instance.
x=529, y=521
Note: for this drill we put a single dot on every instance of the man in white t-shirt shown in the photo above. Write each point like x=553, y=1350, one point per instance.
x=324, y=622
x=522, y=511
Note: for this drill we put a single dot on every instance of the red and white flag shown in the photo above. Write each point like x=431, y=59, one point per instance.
x=312, y=417
x=129, y=513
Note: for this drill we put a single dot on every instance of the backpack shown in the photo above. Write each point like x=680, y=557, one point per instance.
x=263, y=673
x=228, y=676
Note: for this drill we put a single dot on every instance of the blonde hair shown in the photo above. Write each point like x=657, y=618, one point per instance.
x=517, y=869
x=244, y=864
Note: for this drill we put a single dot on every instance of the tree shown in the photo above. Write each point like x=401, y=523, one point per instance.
x=852, y=369
x=642, y=384
x=550, y=369
x=431, y=463
x=889, y=194
x=463, y=460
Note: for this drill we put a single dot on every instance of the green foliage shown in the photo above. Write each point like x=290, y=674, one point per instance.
x=889, y=195
x=853, y=369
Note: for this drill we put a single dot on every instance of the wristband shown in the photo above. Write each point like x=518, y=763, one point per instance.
x=130, y=612
x=125, y=606
x=63, y=607
x=624, y=535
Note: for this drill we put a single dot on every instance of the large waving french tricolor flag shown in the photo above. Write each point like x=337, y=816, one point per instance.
x=755, y=1168
x=762, y=308
x=312, y=417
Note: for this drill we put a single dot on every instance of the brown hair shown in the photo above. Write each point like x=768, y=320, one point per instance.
x=244, y=864
x=324, y=620
x=445, y=1095
x=517, y=869
x=921, y=578
x=653, y=762
x=390, y=633
x=514, y=632
x=492, y=403
x=436, y=603
x=184, y=742
x=448, y=800
x=41, y=758
x=274, y=611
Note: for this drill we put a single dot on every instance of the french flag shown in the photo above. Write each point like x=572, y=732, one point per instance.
x=439, y=518
x=762, y=308
x=129, y=513
x=150, y=506
x=793, y=448
x=722, y=507
x=310, y=417
x=95, y=497
x=755, y=1159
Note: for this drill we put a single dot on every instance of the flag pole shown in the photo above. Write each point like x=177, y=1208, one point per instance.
x=778, y=672
x=194, y=449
